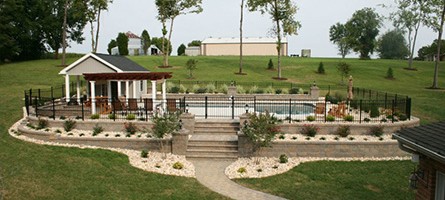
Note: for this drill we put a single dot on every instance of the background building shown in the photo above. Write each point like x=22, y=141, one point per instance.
x=251, y=46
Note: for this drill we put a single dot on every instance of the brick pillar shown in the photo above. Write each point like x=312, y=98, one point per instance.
x=315, y=92
x=180, y=142
x=245, y=146
x=188, y=122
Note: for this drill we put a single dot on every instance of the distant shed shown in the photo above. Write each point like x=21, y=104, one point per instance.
x=193, y=51
x=259, y=46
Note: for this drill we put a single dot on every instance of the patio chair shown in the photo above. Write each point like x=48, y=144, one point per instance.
x=104, y=108
x=171, y=105
x=118, y=106
x=148, y=105
x=133, y=105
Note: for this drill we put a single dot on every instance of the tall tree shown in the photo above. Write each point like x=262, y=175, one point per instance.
x=146, y=42
x=169, y=10
x=409, y=17
x=392, y=45
x=338, y=35
x=435, y=10
x=194, y=43
x=282, y=13
x=122, y=44
x=363, y=29
x=161, y=43
x=241, y=39
x=111, y=45
x=181, y=50
x=95, y=7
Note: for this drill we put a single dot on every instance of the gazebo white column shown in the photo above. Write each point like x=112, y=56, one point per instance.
x=109, y=91
x=78, y=88
x=127, y=90
x=164, y=94
x=144, y=86
x=67, y=88
x=135, y=88
x=153, y=93
x=88, y=89
x=119, y=89
x=93, y=97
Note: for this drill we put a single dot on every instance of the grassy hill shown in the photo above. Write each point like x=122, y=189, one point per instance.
x=42, y=172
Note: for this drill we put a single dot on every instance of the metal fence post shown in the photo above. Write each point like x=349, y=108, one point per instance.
x=290, y=110
x=360, y=111
x=27, y=103
x=393, y=110
x=254, y=103
x=38, y=92
x=37, y=106
x=113, y=105
x=205, y=106
x=325, y=108
x=386, y=99
x=83, y=110
x=233, y=107
x=408, y=108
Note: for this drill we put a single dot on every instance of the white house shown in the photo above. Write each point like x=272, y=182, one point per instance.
x=135, y=46
x=252, y=46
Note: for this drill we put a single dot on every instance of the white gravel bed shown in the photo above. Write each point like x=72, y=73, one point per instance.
x=272, y=166
x=153, y=163
x=330, y=138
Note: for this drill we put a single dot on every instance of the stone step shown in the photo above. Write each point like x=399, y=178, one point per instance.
x=212, y=153
x=212, y=157
x=211, y=143
x=216, y=128
x=209, y=132
x=205, y=146
x=222, y=125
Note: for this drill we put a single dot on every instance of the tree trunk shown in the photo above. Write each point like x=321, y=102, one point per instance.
x=277, y=20
x=436, y=67
x=64, y=33
x=169, y=39
x=241, y=39
x=410, y=61
x=163, y=42
x=92, y=35
x=56, y=54
x=97, y=31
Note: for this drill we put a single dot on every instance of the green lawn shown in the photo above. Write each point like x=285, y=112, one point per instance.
x=339, y=180
x=29, y=171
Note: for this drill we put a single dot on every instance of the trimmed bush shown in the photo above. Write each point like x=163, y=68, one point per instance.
x=283, y=158
x=174, y=89
x=69, y=125
x=374, y=111
x=182, y=89
x=210, y=88
x=320, y=69
x=293, y=91
x=310, y=118
x=223, y=89
x=111, y=116
x=376, y=131
x=97, y=129
x=130, y=128
x=131, y=116
x=270, y=65
x=242, y=170
x=195, y=88
x=178, y=165
x=240, y=89
x=309, y=130
x=343, y=131
x=95, y=116
x=330, y=118
x=253, y=89
x=348, y=118
x=389, y=74
x=269, y=90
x=42, y=123
x=144, y=154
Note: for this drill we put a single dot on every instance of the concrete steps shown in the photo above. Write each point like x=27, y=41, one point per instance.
x=214, y=140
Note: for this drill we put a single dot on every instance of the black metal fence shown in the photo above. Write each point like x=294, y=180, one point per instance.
x=366, y=106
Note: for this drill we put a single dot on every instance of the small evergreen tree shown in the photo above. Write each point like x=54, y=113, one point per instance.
x=321, y=68
x=181, y=50
x=122, y=44
x=389, y=74
x=191, y=65
x=270, y=65
x=111, y=45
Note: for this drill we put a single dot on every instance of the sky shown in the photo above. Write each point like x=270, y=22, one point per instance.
x=220, y=18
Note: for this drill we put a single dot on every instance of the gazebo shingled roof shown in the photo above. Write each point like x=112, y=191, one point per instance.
x=128, y=76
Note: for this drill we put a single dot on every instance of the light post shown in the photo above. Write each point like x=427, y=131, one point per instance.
x=247, y=108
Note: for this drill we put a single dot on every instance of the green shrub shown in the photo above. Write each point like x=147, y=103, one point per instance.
x=374, y=111
x=62, y=117
x=389, y=74
x=223, y=89
x=130, y=128
x=384, y=120
x=195, y=88
x=97, y=129
x=330, y=118
x=144, y=153
x=111, y=116
x=343, y=131
x=242, y=170
x=320, y=69
x=367, y=119
x=348, y=118
x=259, y=170
x=283, y=158
x=376, y=131
x=182, y=89
x=253, y=89
x=269, y=90
x=294, y=90
x=201, y=91
x=178, y=165
x=310, y=118
x=174, y=89
x=261, y=129
x=95, y=116
x=210, y=88
x=270, y=65
x=69, y=125
x=285, y=91
x=282, y=137
x=42, y=123
x=78, y=117
x=240, y=89
x=131, y=116
x=170, y=85
x=403, y=117
x=309, y=130
x=278, y=91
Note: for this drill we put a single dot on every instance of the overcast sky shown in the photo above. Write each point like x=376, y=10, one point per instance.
x=220, y=18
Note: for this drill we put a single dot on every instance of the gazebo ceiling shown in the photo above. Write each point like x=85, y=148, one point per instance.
x=128, y=76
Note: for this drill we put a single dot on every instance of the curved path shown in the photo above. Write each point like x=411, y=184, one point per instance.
x=211, y=174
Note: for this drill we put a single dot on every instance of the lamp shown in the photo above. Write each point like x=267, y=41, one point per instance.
x=186, y=108
x=415, y=177
x=180, y=124
x=247, y=108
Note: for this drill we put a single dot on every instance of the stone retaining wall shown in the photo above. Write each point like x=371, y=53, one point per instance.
x=334, y=149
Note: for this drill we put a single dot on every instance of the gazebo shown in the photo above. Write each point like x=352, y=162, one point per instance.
x=112, y=77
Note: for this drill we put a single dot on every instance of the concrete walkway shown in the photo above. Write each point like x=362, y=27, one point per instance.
x=211, y=174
